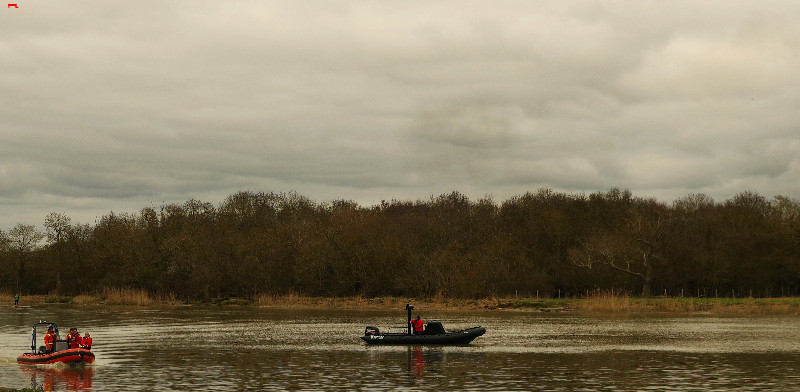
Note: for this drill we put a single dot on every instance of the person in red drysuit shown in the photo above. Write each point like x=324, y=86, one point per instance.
x=74, y=338
x=49, y=339
x=87, y=341
x=418, y=325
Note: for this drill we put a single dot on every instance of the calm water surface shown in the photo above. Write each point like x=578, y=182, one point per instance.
x=245, y=348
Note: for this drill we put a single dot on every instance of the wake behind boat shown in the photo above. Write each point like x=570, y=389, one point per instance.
x=60, y=351
x=434, y=333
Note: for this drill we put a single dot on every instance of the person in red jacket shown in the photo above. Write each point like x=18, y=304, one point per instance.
x=74, y=338
x=87, y=341
x=418, y=325
x=49, y=339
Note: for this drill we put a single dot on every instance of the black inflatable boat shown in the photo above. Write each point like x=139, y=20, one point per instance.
x=434, y=333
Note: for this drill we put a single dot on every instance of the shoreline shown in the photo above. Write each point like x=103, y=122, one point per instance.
x=601, y=304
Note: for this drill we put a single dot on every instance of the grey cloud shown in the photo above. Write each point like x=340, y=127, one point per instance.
x=111, y=106
x=471, y=125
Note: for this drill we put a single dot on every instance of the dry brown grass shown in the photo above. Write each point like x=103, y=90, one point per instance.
x=293, y=300
x=85, y=299
x=610, y=303
x=116, y=296
x=25, y=300
x=113, y=296
x=604, y=301
x=597, y=302
x=733, y=306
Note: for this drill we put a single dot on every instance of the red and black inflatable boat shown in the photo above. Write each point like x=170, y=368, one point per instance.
x=71, y=355
x=60, y=353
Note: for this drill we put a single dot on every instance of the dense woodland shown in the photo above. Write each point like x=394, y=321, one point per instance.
x=545, y=243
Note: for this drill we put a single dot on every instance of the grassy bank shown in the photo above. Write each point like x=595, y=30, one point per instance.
x=621, y=304
x=106, y=297
x=597, y=303
x=142, y=298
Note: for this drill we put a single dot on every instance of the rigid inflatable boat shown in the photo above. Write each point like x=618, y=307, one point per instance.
x=434, y=333
x=61, y=353
x=64, y=356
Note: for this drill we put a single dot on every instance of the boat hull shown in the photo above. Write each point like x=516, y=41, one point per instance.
x=464, y=336
x=73, y=355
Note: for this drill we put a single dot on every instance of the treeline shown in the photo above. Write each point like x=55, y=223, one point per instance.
x=544, y=243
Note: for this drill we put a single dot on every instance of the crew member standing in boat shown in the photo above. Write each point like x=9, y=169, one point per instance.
x=49, y=338
x=418, y=325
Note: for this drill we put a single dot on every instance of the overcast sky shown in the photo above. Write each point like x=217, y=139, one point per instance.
x=117, y=106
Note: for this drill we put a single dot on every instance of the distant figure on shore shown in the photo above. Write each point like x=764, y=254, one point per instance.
x=418, y=325
x=16, y=299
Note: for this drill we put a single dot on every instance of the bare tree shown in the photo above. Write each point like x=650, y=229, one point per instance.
x=631, y=248
x=23, y=239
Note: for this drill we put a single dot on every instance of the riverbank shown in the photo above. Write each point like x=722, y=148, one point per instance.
x=600, y=303
x=666, y=305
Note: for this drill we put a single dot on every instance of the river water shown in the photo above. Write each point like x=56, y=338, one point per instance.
x=255, y=349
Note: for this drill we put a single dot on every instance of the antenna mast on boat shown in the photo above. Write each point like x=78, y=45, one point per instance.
x=409, y=308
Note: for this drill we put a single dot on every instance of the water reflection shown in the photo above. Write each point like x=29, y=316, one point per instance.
x=416, y=361
x=418, y=357
x=60, y=378
x=254, y=349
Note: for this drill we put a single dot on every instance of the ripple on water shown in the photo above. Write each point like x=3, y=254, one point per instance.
x=245, y=348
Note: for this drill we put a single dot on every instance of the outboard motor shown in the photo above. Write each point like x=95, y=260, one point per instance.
x=371, y=331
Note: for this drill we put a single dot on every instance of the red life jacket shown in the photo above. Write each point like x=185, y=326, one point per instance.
x=74, y=340
x=417, y=324
x=87, y=343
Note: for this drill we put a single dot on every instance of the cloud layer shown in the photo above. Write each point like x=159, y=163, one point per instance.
x=108, y=106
